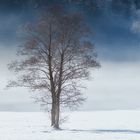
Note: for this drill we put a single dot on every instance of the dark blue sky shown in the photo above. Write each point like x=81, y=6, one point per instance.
x=111, y=22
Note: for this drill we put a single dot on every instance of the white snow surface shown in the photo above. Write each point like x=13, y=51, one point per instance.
x=94, y=125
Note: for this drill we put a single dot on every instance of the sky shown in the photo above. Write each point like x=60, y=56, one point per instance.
x=116, y=35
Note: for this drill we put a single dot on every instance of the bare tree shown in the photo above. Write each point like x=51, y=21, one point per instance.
x=56, y=55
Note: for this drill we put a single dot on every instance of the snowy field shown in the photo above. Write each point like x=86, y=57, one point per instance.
x=97, y=125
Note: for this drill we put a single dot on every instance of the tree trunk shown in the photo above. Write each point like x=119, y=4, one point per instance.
x=57, y=97
x=55, y=114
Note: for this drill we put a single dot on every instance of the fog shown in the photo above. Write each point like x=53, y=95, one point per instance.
x=114, y=86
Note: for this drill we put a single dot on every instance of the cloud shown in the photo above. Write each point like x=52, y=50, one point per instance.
x=136, y=26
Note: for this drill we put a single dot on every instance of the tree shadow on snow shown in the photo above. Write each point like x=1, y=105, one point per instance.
x=105, y=131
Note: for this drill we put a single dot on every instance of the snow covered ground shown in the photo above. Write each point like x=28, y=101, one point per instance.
x=96, y=125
